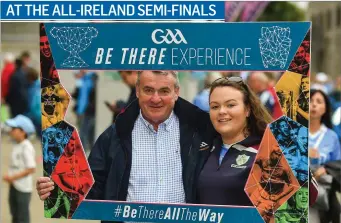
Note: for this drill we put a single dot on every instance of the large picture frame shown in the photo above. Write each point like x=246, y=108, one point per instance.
x=269, y=46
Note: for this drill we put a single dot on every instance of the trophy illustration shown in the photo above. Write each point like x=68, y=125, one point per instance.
x=74, y=40
x=275, y=46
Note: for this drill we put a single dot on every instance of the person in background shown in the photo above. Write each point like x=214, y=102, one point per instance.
x=336, y=120
x=320, y=82
x=26, y=60
x=75, y=94
x=6, y=73
x=129, y=78
x=18, y=88
x=86, y=109
x=22, y=167
x=240, y=119
x=34, y=103
x=202, y=99
x=277, y=110
x=335, y=101
x=259, y=83
x=324, y=147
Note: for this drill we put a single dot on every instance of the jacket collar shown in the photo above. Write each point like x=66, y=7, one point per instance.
x=186, y=112
x=250, y=141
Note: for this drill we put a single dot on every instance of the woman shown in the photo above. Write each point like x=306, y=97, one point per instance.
x=240, y=119
x=324, y=147
x=323, y=141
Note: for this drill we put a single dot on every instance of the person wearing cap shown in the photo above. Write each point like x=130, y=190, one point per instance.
x=22, y=166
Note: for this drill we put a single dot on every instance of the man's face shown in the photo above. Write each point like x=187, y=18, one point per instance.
x=305, y=84
x=303, y=136
x=70, y=149
x=275, y=154
x=300, y=55
x=157, y=95
x=54, y=72
x=283, y=127
x=301, y=198
x=45, y=46
x=292, y=156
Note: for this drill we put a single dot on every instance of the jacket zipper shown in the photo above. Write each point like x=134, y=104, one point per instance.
x=121, y=178
x=192, y=173
x=190, y=148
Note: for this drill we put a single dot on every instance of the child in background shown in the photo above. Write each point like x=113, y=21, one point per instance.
x=22, y=166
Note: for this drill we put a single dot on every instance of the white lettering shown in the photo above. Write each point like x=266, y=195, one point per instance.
x=126, y=211
x=108, y=56
x=99, y=56
x=203, y=214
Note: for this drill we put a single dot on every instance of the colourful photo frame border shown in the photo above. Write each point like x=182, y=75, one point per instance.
x=61, y=141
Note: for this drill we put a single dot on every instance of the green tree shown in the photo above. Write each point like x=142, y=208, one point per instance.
x=282, y=11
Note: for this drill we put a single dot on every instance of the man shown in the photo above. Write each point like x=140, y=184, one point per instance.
x=296, y=209
x=281, y=130
x=72, y=174
x=259, y=83
x=26, y=59
x=302, y=104
x=275, y=183
x=129, y=78
x=123, y=160
x=54, y=102
x=86, y=108
x=300, y=64
x=17, y=88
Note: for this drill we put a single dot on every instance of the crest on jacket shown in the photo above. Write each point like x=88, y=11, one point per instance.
x=242, y=159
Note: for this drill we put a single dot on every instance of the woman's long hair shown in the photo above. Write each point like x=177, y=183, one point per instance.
x=259, y=116
x=326, y=117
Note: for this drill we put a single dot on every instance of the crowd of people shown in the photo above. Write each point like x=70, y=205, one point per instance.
x=20, y=89
x=21, y=118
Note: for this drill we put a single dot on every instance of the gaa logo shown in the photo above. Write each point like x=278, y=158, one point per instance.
x=160, y=36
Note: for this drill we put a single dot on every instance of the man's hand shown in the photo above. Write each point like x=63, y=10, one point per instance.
x=44, y=187
x=7, y=179
x=112, y=107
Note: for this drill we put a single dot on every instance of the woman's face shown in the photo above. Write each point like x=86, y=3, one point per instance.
x=227, y=111
x=317, y=106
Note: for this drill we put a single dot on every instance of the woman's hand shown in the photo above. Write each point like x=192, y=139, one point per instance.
x=314, y=153
x=320, y=172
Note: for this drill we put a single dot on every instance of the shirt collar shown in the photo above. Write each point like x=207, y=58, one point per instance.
x=167, y=123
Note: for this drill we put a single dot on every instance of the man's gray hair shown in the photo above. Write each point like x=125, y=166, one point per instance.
x=161, y=72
